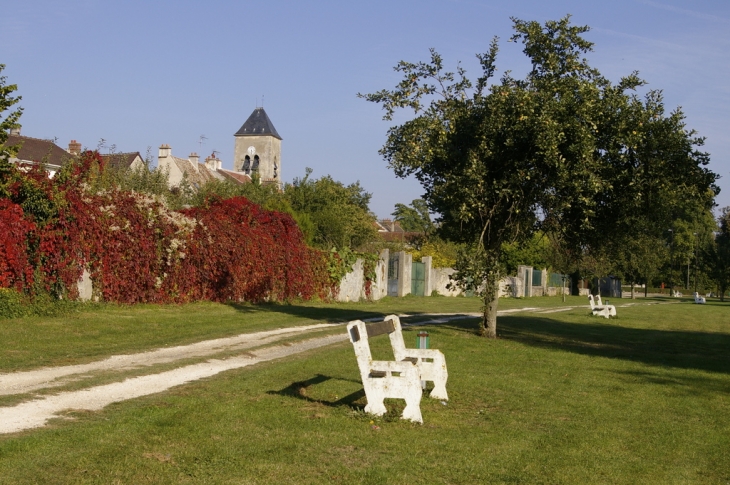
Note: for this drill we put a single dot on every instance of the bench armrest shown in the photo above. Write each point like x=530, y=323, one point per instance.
x=419, y=354
x=392, y=366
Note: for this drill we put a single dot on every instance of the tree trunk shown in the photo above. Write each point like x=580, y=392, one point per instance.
x=489, y=318
x=491, y=299
x=633, y=295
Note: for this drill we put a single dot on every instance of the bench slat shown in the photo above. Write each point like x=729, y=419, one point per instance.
x=379, y=328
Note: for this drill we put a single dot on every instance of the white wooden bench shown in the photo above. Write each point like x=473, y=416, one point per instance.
x=601, y=310
x=700, y=299
x=381, y=378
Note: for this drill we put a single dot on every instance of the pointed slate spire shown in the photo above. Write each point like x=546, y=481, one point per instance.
x=258, y=124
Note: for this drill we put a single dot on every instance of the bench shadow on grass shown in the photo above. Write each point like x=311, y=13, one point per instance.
x=680, y=349
x=299, y=390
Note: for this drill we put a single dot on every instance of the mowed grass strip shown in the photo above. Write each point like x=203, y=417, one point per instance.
x=100, y=330
x=559, y=398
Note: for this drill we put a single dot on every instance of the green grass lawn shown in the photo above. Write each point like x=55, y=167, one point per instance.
x=558, y=398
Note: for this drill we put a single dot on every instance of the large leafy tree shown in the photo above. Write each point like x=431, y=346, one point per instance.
x=661, y=193
x=720, y=254
x=500, y=159
x=339, y=213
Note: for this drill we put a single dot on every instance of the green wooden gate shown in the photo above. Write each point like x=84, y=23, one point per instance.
x=418, y=279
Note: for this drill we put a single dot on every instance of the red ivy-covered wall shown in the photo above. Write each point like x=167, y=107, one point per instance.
x=16, y=268
x=137, y=250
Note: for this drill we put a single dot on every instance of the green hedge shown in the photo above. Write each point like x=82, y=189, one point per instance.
x=14, y=304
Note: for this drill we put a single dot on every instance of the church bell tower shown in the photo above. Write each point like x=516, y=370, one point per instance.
x=258, y=148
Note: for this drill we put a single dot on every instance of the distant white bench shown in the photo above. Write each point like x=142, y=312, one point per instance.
x=700, y=300
x=599, y=309
x=401, y=378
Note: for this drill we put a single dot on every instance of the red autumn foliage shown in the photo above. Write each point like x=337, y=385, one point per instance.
x=16, y=269
x=243, y=252
x=137, y=250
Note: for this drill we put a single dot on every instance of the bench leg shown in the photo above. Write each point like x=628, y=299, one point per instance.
x=375, y=406
x=439, y=390
x=412, y=410
x=375, y=399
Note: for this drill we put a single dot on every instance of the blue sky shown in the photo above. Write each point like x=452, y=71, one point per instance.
x=142, y=73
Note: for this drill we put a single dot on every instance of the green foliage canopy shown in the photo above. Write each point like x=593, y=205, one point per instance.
x=720, y=253
x=339, y=213
x=414, y=218
x=552, y=151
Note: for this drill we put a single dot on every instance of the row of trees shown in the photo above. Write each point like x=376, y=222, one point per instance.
x=596, y=167
x=689, y=255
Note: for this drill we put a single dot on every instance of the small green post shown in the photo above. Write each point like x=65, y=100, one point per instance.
x=423, y=341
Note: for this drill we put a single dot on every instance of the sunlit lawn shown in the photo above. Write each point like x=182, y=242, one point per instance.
x=559, y=398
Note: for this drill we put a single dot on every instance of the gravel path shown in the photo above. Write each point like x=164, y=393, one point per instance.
x=23, y=382
x=36, y=413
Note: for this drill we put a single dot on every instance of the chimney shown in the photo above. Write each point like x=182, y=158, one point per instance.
x=219, y=165
x=211, y=162
x=15, y=130
x=74, y=148
x=165, y=151
x=193, y=159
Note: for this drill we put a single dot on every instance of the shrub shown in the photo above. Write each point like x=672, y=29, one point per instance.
x=11, y=303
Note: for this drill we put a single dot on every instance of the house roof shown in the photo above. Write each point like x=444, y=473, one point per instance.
x=389, y=225
x=258, y=124
x=237, y=177
x=121, y=160
x=38, y=150
x=196, y=178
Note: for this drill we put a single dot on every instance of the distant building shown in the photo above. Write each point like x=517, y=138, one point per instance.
x=36, y=151
x=391, y=231
x=197, y=174
x=131, y=160
x=257, y=148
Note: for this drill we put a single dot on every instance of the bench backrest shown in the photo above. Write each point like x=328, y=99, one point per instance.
x=396, y=337
x=360, y=332
x=390, y=326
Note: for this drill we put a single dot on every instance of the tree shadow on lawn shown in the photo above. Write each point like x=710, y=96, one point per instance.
x=682, y=349
x=324, y=314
